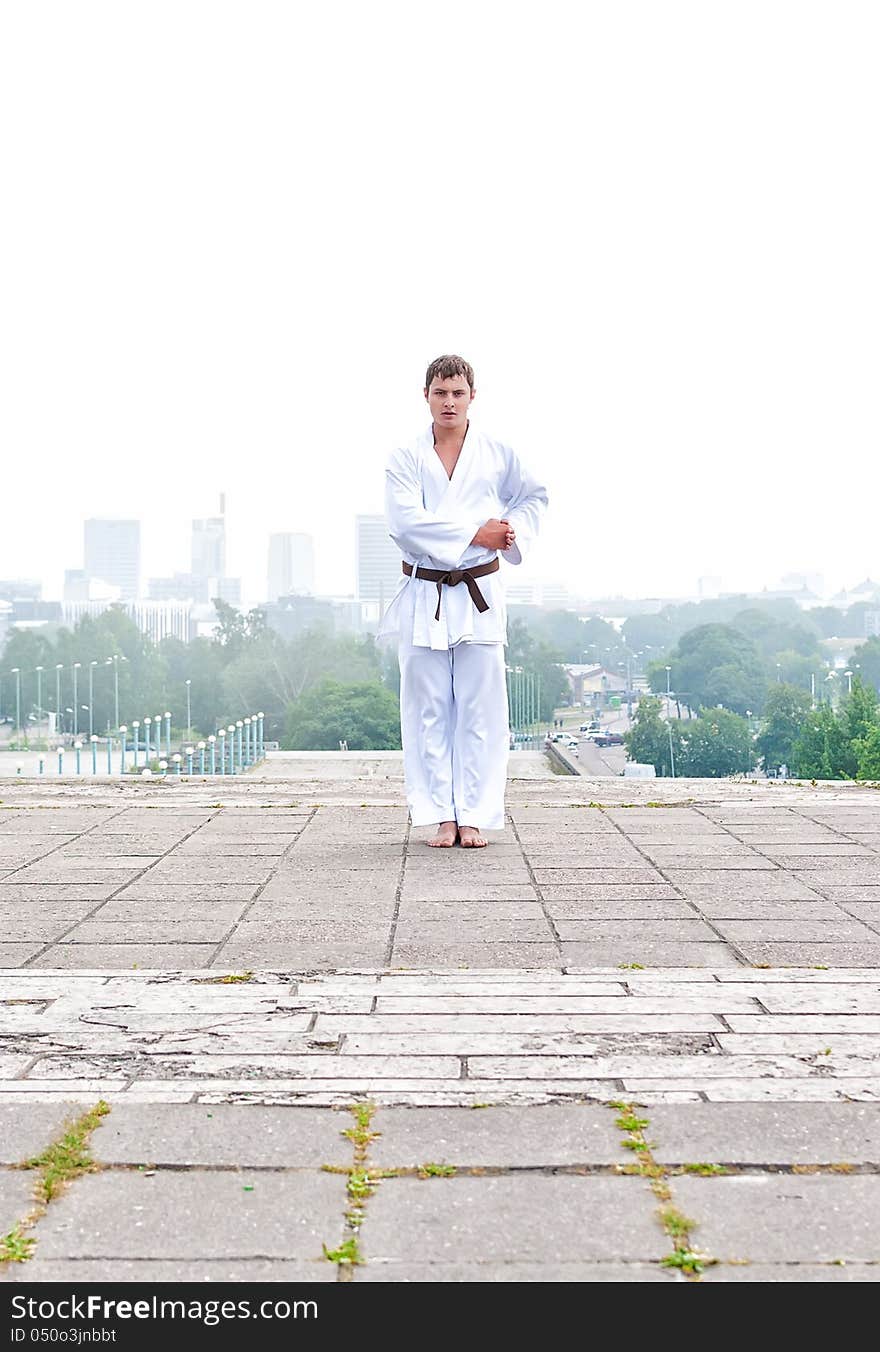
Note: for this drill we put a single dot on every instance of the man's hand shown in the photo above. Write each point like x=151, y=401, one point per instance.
x=495, y=535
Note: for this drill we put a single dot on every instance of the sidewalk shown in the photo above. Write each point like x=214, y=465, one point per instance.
x=704, y=951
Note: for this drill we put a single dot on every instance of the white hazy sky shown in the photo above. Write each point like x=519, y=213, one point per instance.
x=234, y=234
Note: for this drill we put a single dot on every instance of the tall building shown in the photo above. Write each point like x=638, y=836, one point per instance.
x=291, y=565
x=209, y=547
x=112, y=552
x=377, y=560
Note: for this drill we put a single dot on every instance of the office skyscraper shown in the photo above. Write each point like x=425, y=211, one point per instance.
x=291, y=565
x=377, y=560
x=209, y=547
x=112, y=552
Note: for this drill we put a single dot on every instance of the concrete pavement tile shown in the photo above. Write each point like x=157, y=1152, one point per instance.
x=304, y=956
x=466, y=931
x=247, y=1135
x=467, y=912
x=313, y=929
x=466, y=890
x=162, y=913
x=192, y=891
x=14, y=955
x=784, y=1219
x=865, y=953
x=623, y=909
x=519, y=1270
x=16, y=1198
x=167, y=957
x=150, y=930
x=626, y=930
x=461, y=952
x=792, y=1272
x=840, y=930
x=866, y=892
x=866, y=911
x=504, y=1137
x=143, y=1270
x=648, y=952
x=27, y=1128
x=31, y=930
x=766, y=1133
x=767, y=909
x=543, y=1219
x=180, y=1216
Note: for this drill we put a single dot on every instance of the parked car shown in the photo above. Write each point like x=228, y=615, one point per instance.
x=607, y=739
x=590, y=727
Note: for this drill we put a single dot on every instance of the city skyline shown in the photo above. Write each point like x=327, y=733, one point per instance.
x=208, y=542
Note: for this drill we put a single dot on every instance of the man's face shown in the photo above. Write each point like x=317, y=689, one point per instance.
x=449, y=401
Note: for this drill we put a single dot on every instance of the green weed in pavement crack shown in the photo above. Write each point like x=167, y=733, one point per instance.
x=66, y=1159
x=684, y=1257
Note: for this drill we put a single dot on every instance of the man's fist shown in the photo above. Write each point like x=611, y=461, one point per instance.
x=495, y=535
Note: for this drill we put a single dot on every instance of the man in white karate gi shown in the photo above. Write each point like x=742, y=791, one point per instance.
x=455, y=501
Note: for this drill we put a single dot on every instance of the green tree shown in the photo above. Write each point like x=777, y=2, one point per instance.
x=650, y=633
x=829, y=620
x=867, y=658
x=365, y=715
x=821, y=750
x=702, y=654
x=858, y=716
x=717, y=743
x=785, y=713
x=773, y=635
x=868, y=749
x=201, y=663
x=647, y=741
x=541, y=660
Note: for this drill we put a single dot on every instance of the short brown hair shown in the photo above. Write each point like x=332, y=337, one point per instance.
x=442, y=368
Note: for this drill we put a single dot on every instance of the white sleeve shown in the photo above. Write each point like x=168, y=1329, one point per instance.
x=526, y=501
x=412, y=527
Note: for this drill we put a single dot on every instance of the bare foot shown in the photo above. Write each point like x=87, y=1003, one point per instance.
x=447, y=834
x=470, y=838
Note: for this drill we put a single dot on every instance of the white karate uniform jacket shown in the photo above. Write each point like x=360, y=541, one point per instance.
x=432, y=519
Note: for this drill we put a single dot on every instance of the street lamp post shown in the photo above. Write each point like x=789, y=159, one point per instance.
x=849, y=676
x=76, y=667
x=188, y=684
x=147, y=723
x=16, y=671
x=167, y=732
x=135, y=727
x=222, y=735
x=92, y=666
x=201, y=758
x=40, y=702
x=212, y=743
x=59, y=666
x=669, y=725
x=122, y=732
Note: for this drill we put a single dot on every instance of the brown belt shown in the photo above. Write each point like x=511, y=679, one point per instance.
x=452, y=579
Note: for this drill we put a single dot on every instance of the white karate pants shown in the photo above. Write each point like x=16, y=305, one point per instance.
x=454, y=724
